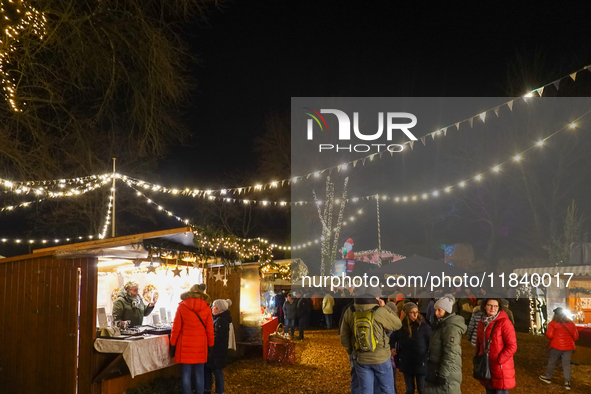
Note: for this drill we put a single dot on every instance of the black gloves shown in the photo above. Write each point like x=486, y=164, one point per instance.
x=440, y=381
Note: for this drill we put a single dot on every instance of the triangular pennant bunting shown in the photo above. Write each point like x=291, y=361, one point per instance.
x=541, y=91
x=471, y=121
x=510, y=105
x=458, y=125
x=483, y=116
x=556, y=84
x=497, y=111
x=355, y=163
x=423, y=140
x=573, y=76
x=411, y=143
x=445, y=132
x=433, y=135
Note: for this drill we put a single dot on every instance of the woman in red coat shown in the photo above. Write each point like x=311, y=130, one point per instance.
x=562, y=334
x=502, y=347
x=192, y=334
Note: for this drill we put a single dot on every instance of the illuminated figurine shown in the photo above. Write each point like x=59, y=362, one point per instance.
x=348, y=255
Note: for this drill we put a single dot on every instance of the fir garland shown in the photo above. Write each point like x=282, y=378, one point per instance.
x=580, y=290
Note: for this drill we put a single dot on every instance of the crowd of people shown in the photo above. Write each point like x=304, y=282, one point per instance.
x=422, y=338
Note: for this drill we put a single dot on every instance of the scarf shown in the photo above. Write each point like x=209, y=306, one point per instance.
x=488, y=319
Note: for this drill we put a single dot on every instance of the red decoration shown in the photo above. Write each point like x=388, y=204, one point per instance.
x=281, y=353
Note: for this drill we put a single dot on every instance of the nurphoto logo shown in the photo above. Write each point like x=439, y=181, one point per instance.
x=392, y=120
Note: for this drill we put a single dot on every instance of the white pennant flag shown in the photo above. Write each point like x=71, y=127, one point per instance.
x=355, y=163
x=445, y=131
x=411, y=143
x=556, y=84
x=339, y=168
x=423, y=140
x=433, y=135
x=363, y=161
x=482, y=116
x=458, y=125
x=282, y=182
x=471, y=121
x=541, y=91
x=573, y=76
x=497, y=111
x=510, y=105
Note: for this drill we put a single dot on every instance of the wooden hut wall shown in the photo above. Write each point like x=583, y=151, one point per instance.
x=38, y=323
x=217, y=290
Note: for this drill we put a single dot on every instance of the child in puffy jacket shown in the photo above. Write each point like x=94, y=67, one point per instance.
x=562, y=333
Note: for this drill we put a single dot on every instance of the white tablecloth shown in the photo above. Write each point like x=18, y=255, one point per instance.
x=142, y=355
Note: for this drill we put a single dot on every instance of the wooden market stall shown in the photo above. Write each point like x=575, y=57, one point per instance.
x=48, y=319
x=250, y=287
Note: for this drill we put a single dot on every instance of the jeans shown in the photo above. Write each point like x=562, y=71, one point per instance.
x=303, y=325
x=354, y=378
x=197, y=371
x=409, y=381
x=553, y=356
x=218, y=373
x=369, y=374
x=328, y=318
x=495, y=391
x=290, y=323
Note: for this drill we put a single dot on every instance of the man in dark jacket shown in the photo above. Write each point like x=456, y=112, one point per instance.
x=304, y=309
x=290, y=311
x=279, y=301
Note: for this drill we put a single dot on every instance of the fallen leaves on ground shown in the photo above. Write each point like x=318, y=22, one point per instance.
x=322, y=366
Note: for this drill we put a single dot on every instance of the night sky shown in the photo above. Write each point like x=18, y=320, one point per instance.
x=255, y=55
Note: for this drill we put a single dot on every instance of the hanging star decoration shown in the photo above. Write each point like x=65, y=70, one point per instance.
x=151, y=268
x=137, y=263
x=195, y=264
x=218, y=276
x=177, y=271
x=210, y=273
x=225, y=280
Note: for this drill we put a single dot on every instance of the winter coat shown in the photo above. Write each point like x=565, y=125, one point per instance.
x=431, y=313
x=131, y=308
x=562, y=336
x=445, y=355
x=290, y=309
x=473, y=326
x=304, y=307
x=327, y=304
x=279, y=301
x=413, y=351
x=384, y=319
x=502, y=348
x=189, y=336
x=217, y=357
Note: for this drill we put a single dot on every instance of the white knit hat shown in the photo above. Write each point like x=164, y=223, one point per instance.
x=222, y=305
x=446, y=303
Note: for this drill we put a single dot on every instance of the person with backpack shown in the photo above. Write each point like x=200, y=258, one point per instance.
x=562, y=334
x=413, y=348
x=444, y=369
x=363, y=335
x=496, y=332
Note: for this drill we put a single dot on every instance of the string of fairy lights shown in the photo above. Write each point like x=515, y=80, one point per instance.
x=219, y=242
x=91, y=182
x=27, y=19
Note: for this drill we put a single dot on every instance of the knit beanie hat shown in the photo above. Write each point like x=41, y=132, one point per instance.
x=446, y=303
x=222, y=305
x=408, y=306
x=368, y=290
x=392, y=306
